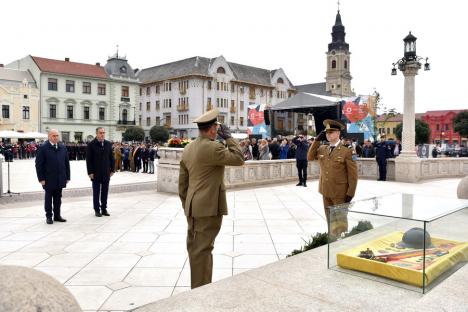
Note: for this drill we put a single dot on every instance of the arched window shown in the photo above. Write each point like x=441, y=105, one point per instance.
x=280, y=80
x=346, y=64
x=333, y=64
x=124, y=115
x=221, y=70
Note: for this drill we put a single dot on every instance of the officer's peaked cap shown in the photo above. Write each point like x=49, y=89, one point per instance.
x=331, y=125
x=207, y=119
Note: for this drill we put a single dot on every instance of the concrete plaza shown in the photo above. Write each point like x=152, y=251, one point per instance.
x=138, y=254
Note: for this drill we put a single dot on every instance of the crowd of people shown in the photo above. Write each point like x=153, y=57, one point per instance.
x=19, y=150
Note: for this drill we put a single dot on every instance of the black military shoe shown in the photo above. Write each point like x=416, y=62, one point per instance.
x=60, y=219
x=105, y=213
x=98, y=214
x=49, y=221
x=305, y=184
x=299, y=184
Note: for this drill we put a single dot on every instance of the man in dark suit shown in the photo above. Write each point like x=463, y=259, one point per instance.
x=100, y=164
x=383, y=151
x=53, y=172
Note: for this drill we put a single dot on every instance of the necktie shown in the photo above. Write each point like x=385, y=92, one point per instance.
x=331, y=149
x=55, y=146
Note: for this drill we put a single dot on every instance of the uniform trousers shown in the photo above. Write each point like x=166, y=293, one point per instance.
x=201, y=235
x=53, y=198
x=118, y=164
x=302, y=170
x=382, y=162
x=337, y=220
x=100, y=192
x=151, y=166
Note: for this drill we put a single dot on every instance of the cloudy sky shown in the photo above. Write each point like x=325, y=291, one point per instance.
x=270, y=34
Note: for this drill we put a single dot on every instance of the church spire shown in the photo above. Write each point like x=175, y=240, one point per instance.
x=338, y=35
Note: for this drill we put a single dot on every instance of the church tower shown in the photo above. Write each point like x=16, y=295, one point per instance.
x=338, y=79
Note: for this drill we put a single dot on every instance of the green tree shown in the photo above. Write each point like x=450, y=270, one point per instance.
x=460, y=123
x=134, y=134
x=159, y=134
x=423, y=132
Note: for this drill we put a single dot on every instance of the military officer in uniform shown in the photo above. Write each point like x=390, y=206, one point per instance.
x=338, y=173
x=202, y=191
x=383, y=151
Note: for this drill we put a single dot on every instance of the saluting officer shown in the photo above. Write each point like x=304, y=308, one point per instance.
x=202, y=191
x=338, y=173
x=383, y=151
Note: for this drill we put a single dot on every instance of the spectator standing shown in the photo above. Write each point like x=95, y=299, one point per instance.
x=151, y=156
x=263, y=150
x=284, y=149
x=302, y=146
x=383, y=151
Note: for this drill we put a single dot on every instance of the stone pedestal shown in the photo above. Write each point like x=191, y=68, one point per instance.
x=462, y=189
x=407, y=169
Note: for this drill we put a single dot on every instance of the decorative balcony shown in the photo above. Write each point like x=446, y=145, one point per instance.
x=183, y=91
x=125, y=99
x=182, y=108
x=126, y=122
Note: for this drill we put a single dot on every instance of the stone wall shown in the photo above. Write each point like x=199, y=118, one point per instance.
x=262, y=172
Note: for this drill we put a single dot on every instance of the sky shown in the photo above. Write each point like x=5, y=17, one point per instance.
x=292, y=35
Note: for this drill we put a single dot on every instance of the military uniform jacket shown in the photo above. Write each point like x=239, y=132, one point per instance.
x=201, y=176
x=338, y=171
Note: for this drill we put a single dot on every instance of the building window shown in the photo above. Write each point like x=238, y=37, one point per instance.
x=148, y=90
x=86, y=113
x=148, y=106
x=6, y=111
x=141, y=91
x=140, y=106
x=70, y=111
x=157, y=105
x=232, y=87
x=148, y=121
x=25, y=112
x=124, y=115
x=158, y=121
x=217, y=85
x=252, y=93
x=25, y=96
x=78, y=136
x=167, y=86
x=86, y=87
x=232, y=120
x=221, y=118
x=101, y=89
x=241, y=121
x=280, y=80
x=437, y=127
x=167, y=121
x=388, y=130
x=280, y=124
x=333, y=64
x=157, y=89
x=124, y=91
x=102, y=113
x=70, y=86
x=139, y=120
x=241, y=89
x=241, y=106
x=345, y=64
x=209, y=84
x=65, y=136
x=221, y=70
x=446, y=127
x=53, y=111
x=52, y=85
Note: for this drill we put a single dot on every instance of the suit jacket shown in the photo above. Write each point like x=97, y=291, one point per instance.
x=100, y=159
x=338, y=170
x=53, y=166
x=201, y=176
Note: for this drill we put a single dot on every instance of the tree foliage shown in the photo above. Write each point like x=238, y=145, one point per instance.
x=423, y=132
x=460, y=123
x=159, y=134
x=134, y=134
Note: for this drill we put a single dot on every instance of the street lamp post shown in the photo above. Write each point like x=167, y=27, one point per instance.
x=409, y=65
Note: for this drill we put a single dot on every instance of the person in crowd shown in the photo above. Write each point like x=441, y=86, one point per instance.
x=144, y=157
x=245, y=148
x=302, y=147
x=383, y=151
x=396, y=148
x=151, y=156
x=53, y=173
x=274, y=149
x=292, y=150
x=284, y=148
x=202, y=191
x=255, y=152
x=338, y=173
x=368, y=150
x=117, y=157
x=131, y=160
x=100, y=164
x=137, y=157
x=263, y=150
x=125, y=156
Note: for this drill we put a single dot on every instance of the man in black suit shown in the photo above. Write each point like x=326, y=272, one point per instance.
x=53, y=172
x=100, y=164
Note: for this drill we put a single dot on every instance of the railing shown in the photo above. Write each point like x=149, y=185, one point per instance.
x=183, y=91
x=126, y=122
x=182, y=108
x=125, y=99
x=233, y=109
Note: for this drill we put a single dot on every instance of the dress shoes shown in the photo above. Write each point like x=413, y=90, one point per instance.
x=60, y=219
x=299, y=184
x=49, y=221
x=105, y=213
x=98, y=214
x=305, y=184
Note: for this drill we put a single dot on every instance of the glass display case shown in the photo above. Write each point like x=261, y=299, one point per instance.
x=407, y=240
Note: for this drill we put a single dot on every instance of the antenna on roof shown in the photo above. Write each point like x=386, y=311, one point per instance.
x=338, y=5
x=117, y=54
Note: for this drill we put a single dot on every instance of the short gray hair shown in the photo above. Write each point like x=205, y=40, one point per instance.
x=97, y=129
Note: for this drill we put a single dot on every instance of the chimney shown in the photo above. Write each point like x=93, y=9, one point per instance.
x=98, y=64
x=67, y=59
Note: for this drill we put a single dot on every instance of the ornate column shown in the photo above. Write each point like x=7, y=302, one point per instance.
x=408, y=137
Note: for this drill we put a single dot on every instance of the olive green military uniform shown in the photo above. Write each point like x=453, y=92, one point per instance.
x=203, y=196
x=338, y=179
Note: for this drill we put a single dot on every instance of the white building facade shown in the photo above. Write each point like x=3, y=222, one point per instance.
x=76, y=98
x=174, y=94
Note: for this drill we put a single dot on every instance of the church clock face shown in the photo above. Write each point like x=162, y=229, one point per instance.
x=333, y=52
